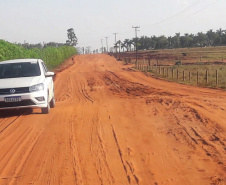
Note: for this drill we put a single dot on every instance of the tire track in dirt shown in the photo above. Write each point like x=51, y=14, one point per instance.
x=116, y=126
x=212, y=146
x=85, y=93
x=7, y=124
x=12, y=164
x=78, y=177
x=131, y=177
x=24, y=156
x=97, y=147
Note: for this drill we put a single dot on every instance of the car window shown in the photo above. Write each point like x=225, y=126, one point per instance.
x=17, y=70
x=44, y=67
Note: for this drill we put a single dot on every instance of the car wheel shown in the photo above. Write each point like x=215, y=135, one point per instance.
x=52, y=102
x=46, y=110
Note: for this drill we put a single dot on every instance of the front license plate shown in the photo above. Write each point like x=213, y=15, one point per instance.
x=13, y=99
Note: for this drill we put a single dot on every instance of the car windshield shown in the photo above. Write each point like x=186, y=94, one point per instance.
x=18, y=70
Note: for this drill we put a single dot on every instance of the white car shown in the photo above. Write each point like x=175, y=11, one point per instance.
x=26, y=83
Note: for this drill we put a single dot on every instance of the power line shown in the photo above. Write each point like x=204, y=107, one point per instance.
x=178, y=13
x=201, y=9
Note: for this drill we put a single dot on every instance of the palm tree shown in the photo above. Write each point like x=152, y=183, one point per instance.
x=178, y=39
x=220, y=34
x=130, y=43
x=123, y=46
x=126, y=43
x=201, y=39
x=211, y=37
x=119, y=44
x=170, y=41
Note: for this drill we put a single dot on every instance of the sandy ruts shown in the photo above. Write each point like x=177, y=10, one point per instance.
x=113, y=125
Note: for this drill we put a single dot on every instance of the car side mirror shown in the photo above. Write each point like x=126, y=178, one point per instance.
x=49, y=74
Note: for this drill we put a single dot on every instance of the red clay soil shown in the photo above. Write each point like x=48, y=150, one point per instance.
x=112, y=125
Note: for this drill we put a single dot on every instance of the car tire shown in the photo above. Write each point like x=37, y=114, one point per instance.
x=53, y=102
x=46, y=110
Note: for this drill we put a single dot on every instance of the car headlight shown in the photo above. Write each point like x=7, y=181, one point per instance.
x=38, y=87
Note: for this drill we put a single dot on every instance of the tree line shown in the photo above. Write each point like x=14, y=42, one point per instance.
x=210, y=38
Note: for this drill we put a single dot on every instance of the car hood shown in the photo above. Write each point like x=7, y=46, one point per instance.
x=20, y=82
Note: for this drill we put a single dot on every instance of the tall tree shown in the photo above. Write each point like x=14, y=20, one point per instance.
x=162, y=42
x=201, y=39
x=72, y=39
x=220, y=33
x=211, y=37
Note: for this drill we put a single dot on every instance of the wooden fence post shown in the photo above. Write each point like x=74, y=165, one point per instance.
x=183, y=75
x=216, y=77
x=207, y=80
x=177, y=74
x=172, y=73
x=197, y=77
x=189, y=74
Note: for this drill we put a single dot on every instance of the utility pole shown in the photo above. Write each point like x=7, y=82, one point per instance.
x=115, y=42
x=136, y=29
x=107, y=43
x=102, y=45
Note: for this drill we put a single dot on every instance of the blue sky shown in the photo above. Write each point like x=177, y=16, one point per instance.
x=36, y=21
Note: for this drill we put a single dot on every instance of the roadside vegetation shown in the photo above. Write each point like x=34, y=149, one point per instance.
x=53, y=55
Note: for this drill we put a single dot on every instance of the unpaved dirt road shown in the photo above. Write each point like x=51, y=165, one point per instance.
x=113, y=125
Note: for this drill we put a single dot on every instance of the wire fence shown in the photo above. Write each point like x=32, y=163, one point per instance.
x=206, y=74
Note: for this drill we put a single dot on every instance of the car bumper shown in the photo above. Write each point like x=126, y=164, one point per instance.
x=28, y=100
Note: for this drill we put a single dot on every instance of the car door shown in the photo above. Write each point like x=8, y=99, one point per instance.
x=48, y=81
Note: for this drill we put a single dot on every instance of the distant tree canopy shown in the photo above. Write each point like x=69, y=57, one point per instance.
x=210, y=38
x=41, y=45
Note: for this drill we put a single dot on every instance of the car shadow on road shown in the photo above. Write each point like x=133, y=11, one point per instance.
x=15, y=112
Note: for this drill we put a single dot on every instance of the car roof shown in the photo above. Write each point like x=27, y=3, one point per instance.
x=20, y=60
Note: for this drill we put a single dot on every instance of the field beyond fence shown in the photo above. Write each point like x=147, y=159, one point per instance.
x=193, y=66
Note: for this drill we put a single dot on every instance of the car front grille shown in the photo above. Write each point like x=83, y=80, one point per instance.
x=16, y=104
x=17, y=90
